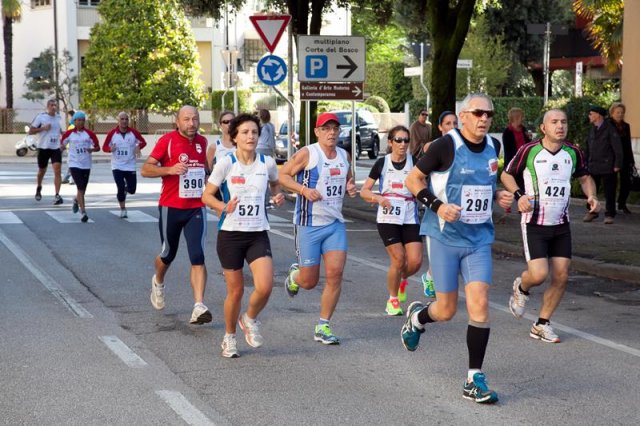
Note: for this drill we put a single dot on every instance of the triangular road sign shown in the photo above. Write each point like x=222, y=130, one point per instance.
x=270, y=28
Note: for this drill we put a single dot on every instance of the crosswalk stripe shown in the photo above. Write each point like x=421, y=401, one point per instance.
x=9, y=218
x=66, y=216
x=136, y=216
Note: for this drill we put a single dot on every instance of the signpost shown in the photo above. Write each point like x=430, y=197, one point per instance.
x=413, y=71
x=325, y=91
x=331, y=58
x=272, y=70
x=270, y=28
x=466, y=64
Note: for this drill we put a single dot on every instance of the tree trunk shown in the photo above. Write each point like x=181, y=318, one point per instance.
x=8, y=59
x=538, y=81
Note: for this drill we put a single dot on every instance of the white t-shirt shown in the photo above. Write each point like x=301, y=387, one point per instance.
x=80, y=144
x=51, y=138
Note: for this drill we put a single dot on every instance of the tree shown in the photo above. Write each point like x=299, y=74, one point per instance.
x=11, y=12
x=605, y=28
x=41, y=82
x=142, y=55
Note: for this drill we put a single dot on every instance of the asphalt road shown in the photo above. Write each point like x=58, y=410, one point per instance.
x=81, y=343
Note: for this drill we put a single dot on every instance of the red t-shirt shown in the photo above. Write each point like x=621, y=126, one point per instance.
x=182, y=192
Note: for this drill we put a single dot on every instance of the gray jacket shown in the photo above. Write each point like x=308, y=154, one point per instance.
x=603, y=149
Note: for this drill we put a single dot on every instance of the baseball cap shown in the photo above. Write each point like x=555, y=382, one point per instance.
x=325, y=117
x=79, y=115
x=598, y=109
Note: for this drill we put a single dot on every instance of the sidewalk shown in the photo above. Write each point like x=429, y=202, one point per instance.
x=608, y=251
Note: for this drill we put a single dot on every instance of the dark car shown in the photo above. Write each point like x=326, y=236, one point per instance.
x=367, y=138
x=282, y=141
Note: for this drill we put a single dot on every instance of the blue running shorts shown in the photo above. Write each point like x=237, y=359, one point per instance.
x=314, y=241
x=448, y=262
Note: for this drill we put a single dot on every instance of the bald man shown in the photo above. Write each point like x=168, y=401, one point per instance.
x=180, y=159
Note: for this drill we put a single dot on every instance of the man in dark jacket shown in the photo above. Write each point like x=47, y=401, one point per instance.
x=604, y=156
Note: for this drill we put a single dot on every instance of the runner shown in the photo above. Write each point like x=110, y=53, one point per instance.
x=47, y=126
x=82, y=142
x=179, y=158
x=243, y=178
x=462, y=167
x=544, y=169
x=322, y=178
x=398, y=222
x=224, y=145
x=124, y=144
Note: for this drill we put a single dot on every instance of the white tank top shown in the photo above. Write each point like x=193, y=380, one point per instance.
x=392, y=186
x=222, y=151
x=327, y=176
x=249, y=183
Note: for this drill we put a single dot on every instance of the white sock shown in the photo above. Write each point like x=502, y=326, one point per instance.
x=415, y=322
x=229, y=335
x=470, y=374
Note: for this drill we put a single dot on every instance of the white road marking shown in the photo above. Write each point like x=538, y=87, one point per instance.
x=44, y=278
x=123, y=352
x=178, y=403
x=66, y=216
x=570, y=330
x=135, y=216
x=7, y=218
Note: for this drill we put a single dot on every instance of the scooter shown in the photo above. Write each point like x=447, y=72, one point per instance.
x=26, y=144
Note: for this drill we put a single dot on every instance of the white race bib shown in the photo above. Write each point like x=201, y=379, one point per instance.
x=192, y=183
x=248, y=212
x=393, y=214
x=554, y=193
x=476, y=203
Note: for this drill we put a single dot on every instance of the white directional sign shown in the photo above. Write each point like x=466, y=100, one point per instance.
x=465, y=63
x=412, y=71
x=331, y=58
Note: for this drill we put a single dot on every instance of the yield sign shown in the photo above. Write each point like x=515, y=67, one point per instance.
x=270, y=28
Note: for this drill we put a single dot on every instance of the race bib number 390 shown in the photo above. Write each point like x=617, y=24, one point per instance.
x=476, y=203
x=192, y=183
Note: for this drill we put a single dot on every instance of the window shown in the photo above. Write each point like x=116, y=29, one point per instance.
x=40, y=3
x=253, y=51
x=88, y=2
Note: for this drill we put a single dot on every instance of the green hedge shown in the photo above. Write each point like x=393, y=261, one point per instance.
x=532, y=107
x=387, y=80
x=379, y=103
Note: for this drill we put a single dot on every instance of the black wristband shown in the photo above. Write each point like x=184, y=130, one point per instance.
x=423, y=196
x=517, y=194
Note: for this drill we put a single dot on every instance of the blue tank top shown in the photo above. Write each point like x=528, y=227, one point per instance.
x=470, y=182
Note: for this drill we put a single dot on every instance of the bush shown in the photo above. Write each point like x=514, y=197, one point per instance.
x=387, y=80
x=324, y=106
x=244, y=102
x=532, y=107
x=379, y=103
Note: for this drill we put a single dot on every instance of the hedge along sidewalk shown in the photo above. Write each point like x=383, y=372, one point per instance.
x=607, y=251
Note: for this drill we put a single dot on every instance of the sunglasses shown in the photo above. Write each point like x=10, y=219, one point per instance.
x=480, y=112
x=225, y=121
x=401, y=140
x=424, y=114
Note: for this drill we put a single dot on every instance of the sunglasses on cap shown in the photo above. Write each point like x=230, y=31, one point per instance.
x=401, y=140
x=225, y=121
x=480, y=112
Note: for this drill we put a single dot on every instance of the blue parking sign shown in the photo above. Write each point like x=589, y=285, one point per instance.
x=317, y=66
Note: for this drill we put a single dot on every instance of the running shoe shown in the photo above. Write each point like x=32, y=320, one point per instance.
x=251, y=331
x=200, y=314
x=544, y=332
x=229, y=346
x=402, y=291
x=393, y=308
x=75, y=207
x=84, y=218
x=427, y=285
x=409, y=333
x=478, y=391
x=57, y=200
x=324, y=335
x=38, y=193
x=123, y=214
x=157, y=294
x=291, y=287
x=517, y=301
x=65, y=180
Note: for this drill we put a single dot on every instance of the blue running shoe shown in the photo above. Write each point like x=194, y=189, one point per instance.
x=324, y=334
x=427, y=284
x=290, y=285
x=410, y=334
x=478, y=391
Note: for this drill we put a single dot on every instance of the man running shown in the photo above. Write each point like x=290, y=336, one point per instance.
x=462, y=167
x=179, y=158
x=544, y=169
x=47, y=126
x=322, y=178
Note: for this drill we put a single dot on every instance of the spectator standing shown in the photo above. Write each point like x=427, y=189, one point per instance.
x=267, y=141
x=420, y=134
x=604, y=157
x=617, y=112
x=515, y=134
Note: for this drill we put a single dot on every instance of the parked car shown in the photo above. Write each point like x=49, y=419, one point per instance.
x=367, y=138
x=282, y=141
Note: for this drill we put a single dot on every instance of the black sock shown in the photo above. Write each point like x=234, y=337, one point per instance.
x=477, y=339
x=526, y=293
x=542, y=321
x=423, y=316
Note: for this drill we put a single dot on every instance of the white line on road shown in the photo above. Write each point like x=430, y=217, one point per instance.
x=178, y=403
x=44, y=278
x=592, y=338
x=123, y=352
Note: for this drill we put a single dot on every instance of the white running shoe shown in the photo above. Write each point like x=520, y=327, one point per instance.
x=200, y=314
x=544, y=332
x=229, y=346
x=517, y=301
x=251, y=331
x=123, y=214
x=157, y=294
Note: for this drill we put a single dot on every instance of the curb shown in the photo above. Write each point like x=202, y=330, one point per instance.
x=611, y=271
